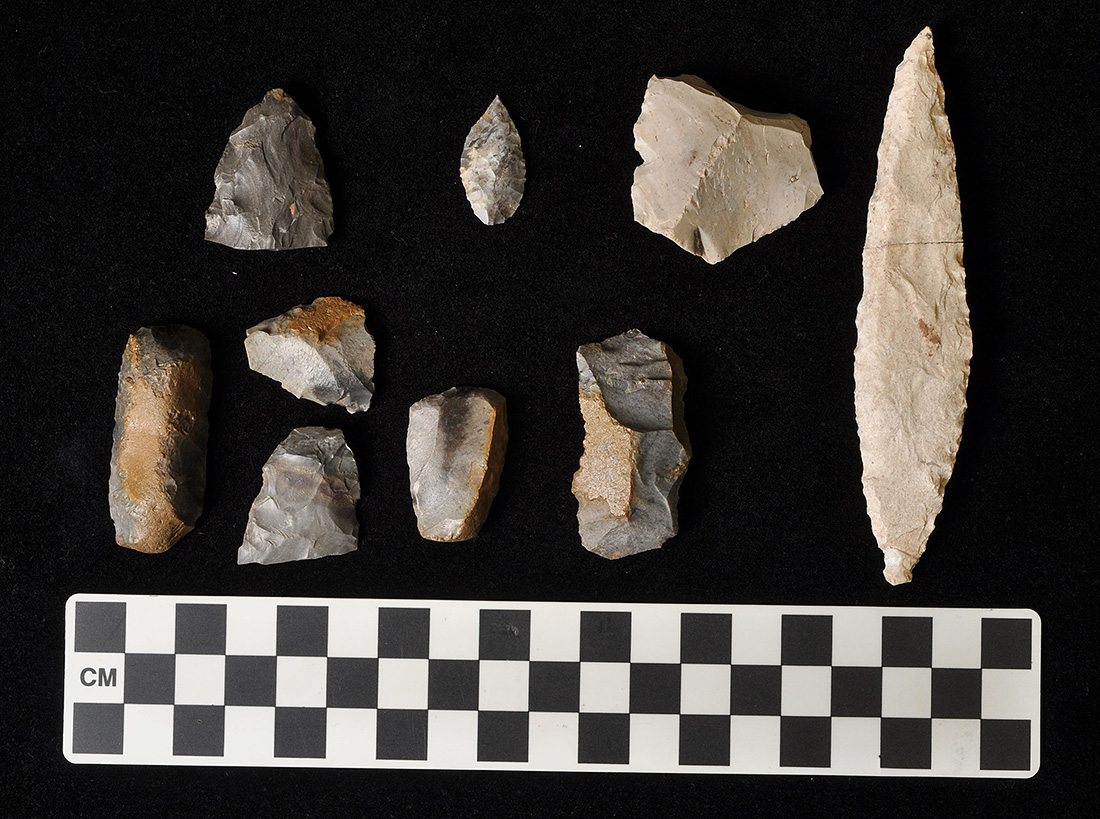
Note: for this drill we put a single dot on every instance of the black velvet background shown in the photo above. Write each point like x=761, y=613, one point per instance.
x=114, y=122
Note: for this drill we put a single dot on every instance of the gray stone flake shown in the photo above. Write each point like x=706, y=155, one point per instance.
x=455, y=448
x=306, y=506
x=319, y=351
x=636, y=447
x=270, y=187
x=158, y=460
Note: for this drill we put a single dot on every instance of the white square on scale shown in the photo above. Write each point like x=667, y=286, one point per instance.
x=250, y=626
x=605, y=688
x=754, y=744
x=351, y=736
x=907, y=692
x=503, y=685
x=249, y=734
x=553, y=741
x=704, y=689
x=807, y=691
x=757, y=636
x=655, y=635
x=452, y=739
x=454, y=633
x=151, y=625
x=654, y=741
x=402, y=683
x=352, y=629
x=200, y=679
x=301, y=682
x=147, y=733
x=555, y=633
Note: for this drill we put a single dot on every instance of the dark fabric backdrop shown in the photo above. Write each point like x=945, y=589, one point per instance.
x=114, y=121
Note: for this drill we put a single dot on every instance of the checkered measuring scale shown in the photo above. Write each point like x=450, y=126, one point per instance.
x=459, y=684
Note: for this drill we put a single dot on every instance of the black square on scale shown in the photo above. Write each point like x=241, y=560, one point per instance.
x=502, y=736
x=403, y=633
x=402, y=734
x=756, y=690
x=1006, y=642
x=857, y=691
x=198, y=730
x=805, y=742
x=98, y=727
x=603, y=738
x=301, y=732
x=1006, y=745
x=704, y=739
x=905, y=743
x=150, y=679
x=907, y=642
x=505, y=634
x=352, y=682
x=301, y=631
x=100, y=626
x=706, y=638
x=249, y=680
x=956, y=693
x=807, y=639
x=453, y=685
x=655, y=688
x=200, y=628
x=605, y=636
x=554, y=686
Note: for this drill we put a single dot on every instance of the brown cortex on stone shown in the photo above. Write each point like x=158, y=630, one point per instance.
x=158, y=462
x=608, y=459
x=323, y=317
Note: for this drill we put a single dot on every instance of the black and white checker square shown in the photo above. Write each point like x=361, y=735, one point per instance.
x=464, y=684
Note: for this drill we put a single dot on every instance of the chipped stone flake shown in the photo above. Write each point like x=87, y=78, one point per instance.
x=270, y=187
x=715, y=175
x=306, y=506
x=455, y=448
x=158, y=460
x=320, y=351
x=912, y=358
x=492, y=168
x=636, y=448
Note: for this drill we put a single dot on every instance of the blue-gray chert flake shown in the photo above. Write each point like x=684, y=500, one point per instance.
x=455, y=448
x=636, y=447
x=158, y=461
x=320, y=351
x=306, y=506
x=270, y=187
x=493, y=171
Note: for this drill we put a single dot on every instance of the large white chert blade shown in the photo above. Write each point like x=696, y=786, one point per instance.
x=716, y=175
x=492, y=168
x=912, y=359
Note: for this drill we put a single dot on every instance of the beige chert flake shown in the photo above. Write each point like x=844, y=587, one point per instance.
x=912, y=359
x=715, y=175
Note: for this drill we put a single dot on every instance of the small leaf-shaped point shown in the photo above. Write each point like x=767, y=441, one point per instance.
x=492, y=168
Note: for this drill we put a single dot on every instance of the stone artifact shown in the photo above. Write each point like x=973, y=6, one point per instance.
x=270, y=191
x=455, y=448
x=636, y=447
x=158, y=461
x=320, y=351
x=715, y=175
x=912, y=359
x=492, y=168
x=306, y=506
